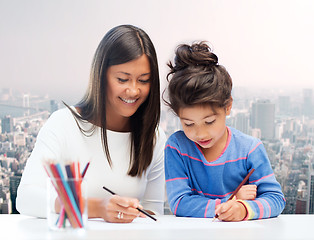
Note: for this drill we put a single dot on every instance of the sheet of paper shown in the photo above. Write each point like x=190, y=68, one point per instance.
x=170, y=222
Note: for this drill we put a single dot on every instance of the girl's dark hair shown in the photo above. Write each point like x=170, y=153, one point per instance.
x=197, y=78
x=122, y=44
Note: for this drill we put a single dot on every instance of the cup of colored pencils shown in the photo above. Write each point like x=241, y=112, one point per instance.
x=66, y=184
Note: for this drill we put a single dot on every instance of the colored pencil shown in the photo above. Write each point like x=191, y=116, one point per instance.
x=142, y=211
x=69, y=192
x=85, y=169
x=238, y=188
x=76, y=189
x=61, y=193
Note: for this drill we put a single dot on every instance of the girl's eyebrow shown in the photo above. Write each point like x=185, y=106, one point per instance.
x=183, y=118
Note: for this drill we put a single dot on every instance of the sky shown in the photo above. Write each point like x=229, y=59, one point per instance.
x=46, y=47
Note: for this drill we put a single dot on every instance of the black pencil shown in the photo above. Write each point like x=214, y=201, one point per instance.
x=238, y=188
x=142, y=211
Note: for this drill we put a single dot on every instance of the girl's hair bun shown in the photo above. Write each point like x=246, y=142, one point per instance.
x=198, y=54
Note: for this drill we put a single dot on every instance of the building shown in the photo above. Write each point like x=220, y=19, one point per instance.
x=300, y=206
x=263, y=118
x=284, y=105
x=308, y=102
x=7, y=124
x=242, y=122
x=53, y=106
x=14, y=183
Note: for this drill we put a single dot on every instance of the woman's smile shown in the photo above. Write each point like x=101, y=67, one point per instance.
x=130, y=101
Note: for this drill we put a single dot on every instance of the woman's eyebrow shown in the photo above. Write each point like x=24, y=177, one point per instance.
x=144, y=74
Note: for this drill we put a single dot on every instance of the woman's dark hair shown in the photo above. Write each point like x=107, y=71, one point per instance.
x=122, y=44
x=197, y=78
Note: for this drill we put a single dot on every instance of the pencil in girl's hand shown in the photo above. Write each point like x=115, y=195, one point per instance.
x=142, y=211
x=238, y=188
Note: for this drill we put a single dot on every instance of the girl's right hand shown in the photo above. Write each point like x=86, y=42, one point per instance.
x=116, y=209
x=247, y=192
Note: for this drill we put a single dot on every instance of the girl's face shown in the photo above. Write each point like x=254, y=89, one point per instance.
x=204, y=126
x=127, y=88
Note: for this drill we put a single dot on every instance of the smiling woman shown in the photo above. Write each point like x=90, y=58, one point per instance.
x=128, y=88
x=115, y=125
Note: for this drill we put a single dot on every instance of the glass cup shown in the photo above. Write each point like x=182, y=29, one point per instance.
x=72, y=196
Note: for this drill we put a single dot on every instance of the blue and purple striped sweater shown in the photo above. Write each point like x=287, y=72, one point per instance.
x=195, y=186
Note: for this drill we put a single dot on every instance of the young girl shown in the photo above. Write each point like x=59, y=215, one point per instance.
x=115, y=126
x=206, y=161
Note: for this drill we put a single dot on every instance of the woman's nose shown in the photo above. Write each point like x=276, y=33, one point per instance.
x=133, y=89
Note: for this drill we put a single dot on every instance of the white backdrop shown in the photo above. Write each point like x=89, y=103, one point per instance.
x=46, y=47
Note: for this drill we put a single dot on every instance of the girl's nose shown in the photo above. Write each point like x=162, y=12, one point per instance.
x=201, y=133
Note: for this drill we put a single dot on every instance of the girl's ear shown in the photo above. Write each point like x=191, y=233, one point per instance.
x=229, y=106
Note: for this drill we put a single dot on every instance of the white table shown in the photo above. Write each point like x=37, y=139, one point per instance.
x=167, y=227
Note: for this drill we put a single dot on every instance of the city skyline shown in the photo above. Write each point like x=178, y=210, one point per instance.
x=286, y=130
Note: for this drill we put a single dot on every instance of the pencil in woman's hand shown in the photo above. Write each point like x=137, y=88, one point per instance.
x=142, y=211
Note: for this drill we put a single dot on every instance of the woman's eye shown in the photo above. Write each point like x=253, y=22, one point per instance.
x=122, y=80
x=144, y=80
x=188, y=124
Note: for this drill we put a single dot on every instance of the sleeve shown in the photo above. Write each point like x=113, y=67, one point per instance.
x=182, y=200
x=155, y=189
x=31, y=194
x=269, y=201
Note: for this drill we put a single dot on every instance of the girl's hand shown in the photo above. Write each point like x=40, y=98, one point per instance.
x=231, y=211
x=247, y=192
x=117, y=209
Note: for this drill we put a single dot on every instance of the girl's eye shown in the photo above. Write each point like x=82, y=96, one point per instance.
x=122, y=80
x=188, y=124
x=211, y=122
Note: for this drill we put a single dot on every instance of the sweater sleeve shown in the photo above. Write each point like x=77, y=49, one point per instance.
x=182, y=201
x=155, y=189
x=269, y=201
x=31, y=194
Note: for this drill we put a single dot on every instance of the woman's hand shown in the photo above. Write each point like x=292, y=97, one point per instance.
x=116, y=209
x=231, y=211
x=247, y=192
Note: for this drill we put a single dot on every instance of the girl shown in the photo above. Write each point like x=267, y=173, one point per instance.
x=115, y=125
x=206, y=161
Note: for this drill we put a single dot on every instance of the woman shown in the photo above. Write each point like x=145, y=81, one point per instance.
x=115, y=126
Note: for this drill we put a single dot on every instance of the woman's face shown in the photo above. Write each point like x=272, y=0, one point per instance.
x=127, y=88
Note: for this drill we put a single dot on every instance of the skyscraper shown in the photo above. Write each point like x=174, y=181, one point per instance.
x=14, y=183
x=241, y=122
x=284, y=105
x=308, y=102
x=263, y=118
x=7, y=124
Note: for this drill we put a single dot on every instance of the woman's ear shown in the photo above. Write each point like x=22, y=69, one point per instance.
x=229, y=106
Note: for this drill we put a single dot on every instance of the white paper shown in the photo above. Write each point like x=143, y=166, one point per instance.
x=169, y=222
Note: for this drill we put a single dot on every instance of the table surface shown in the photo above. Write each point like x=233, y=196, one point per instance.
x=15, y=226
